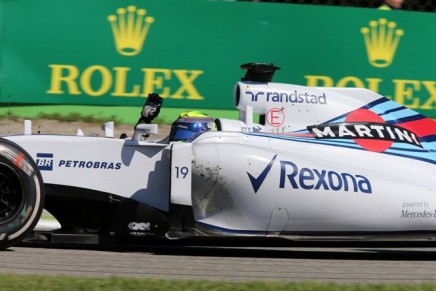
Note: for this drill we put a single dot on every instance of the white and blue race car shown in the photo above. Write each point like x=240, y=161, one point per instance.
x=301, y=163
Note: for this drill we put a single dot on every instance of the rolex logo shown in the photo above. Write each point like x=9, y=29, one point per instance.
x=130, y=28
x=381, y=41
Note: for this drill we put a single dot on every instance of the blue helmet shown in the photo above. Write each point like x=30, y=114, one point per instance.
x=189, y=123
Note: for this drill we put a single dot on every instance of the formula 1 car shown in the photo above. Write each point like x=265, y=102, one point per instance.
x=301, y=163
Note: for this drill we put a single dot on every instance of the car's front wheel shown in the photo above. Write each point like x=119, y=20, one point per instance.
x=21, y=194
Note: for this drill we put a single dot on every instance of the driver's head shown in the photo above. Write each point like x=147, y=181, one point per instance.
x=190, y=123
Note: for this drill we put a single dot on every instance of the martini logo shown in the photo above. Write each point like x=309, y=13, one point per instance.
x=130, y=28
x=367, y=129
x=381, y=41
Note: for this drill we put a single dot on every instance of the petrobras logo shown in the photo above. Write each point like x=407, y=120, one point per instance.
x=104, y=165
x=44, y=161
x=294, y=97
x=303, y=178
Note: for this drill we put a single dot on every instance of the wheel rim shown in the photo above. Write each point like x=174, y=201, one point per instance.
x=11, y=194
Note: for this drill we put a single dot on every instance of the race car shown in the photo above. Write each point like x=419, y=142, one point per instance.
x=300, y=163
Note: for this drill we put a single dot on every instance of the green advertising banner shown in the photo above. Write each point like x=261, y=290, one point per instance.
x=116, y=52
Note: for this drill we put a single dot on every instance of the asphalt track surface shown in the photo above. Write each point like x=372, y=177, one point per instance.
x=236, y=264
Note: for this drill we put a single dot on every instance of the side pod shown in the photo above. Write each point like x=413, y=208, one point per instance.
x=21, y=194
x=182, y=222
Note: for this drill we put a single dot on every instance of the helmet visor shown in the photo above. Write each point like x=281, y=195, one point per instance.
x=181, y=130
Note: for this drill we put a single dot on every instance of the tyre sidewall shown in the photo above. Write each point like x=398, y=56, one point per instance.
x=17, y=163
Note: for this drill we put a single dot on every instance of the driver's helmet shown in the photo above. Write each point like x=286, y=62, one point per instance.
x=190, y=123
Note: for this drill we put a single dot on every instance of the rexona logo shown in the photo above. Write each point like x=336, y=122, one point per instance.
x=366, y=129
x=303, y=178
x=381, y=41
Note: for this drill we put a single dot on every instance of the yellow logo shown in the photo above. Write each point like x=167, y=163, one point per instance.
x=381, y=41
x=130, y=28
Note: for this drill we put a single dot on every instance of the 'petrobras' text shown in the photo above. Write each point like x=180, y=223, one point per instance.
x=89, y=164
x=314, y=179
x=287, y=97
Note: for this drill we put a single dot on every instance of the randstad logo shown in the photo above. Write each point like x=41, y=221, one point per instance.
x=381, y=41
x=130, y=28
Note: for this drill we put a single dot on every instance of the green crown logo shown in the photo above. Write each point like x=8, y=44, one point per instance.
x=381, y=41
x=130, y=28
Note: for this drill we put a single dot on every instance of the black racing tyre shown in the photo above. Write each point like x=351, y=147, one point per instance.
x=21, y=194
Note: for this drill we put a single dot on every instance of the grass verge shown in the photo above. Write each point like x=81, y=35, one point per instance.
x=32, y=282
